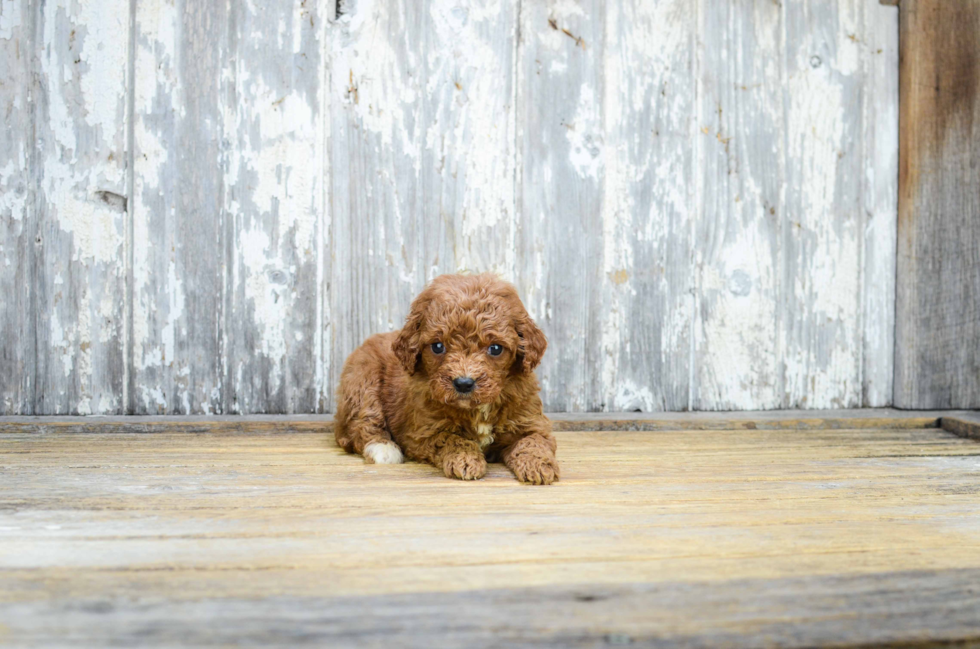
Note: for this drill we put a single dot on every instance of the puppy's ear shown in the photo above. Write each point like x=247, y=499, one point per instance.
x=408, y=344
x=532, y=344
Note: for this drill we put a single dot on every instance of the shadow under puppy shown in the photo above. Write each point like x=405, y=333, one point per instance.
x=454, y=388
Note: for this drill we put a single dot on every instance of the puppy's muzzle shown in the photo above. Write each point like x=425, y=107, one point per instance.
x=464, y=384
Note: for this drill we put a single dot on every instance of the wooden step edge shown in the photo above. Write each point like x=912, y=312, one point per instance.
x=752, y=420
x=959, y=422
x=965, y=424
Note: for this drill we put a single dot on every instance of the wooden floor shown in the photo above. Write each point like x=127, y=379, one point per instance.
x=816, y=535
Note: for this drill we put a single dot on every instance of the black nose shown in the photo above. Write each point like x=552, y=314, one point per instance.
x=464, y=384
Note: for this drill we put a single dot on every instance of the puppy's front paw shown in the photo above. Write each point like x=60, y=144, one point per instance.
x=465, y=466
x=535, y=469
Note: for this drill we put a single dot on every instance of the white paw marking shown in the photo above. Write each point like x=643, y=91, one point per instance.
x=383, y=453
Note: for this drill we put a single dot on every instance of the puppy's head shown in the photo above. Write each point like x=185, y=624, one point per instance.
x=467, y=336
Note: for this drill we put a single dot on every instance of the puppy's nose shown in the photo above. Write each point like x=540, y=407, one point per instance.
x=464, y=384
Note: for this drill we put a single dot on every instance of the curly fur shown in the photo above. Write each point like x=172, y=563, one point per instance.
x=395, y=391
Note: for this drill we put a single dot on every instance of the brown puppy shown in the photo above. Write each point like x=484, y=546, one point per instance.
x=454, y=387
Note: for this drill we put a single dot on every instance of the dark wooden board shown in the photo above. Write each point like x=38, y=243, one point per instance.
x=937, y=324
x=962, y=424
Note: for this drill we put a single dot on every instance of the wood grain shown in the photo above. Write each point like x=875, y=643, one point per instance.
x=181, y=230
x=738, y=251
x=376, y=139
x=791, y=182
x=823, y=220
x=561, y=169
x=18, y=222
x=274, y=121
x=697, y=202
x=880, y=202
x=467, y=156
x=673, y=538
x=81, y=206
x=852, y=611
x=962, y=424
x=641, y=292
x=937, y=355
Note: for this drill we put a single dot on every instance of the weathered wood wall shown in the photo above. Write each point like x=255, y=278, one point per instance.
x=938, y=338
x=206, y=205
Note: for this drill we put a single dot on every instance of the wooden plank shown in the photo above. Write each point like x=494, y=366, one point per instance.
x=937, y=334
x=822, y=218
x=630, y=421
x=879, y=44
x=181, y=233
x=80, y=273
x=641, y=296
x=468, y=119
x=274, y=118
x=560, y=182
x=789, y=538
x=793, y=302
x=740, y=124
x=376, y=138
x=962, y=424
x=769, y=420
x=17, y=212
x=853, y=611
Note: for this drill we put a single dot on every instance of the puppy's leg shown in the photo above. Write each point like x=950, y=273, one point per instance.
x=364, y=432
x=457, y=457
x=532, y=459
x=359, y=424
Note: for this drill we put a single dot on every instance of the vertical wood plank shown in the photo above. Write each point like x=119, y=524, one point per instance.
x=82, y=208
x=17, y=216
x=180, y=233
x=937, y=321
x=157, y=295
x=739, y=138
x=467, y=156
x=376, y=137
x=274, y=183
x=823, y=218
x=561, y=140
x=880, y=202
x=642, y=297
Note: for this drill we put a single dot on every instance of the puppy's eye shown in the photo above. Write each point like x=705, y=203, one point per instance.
x=438, y=348
x=495, y=350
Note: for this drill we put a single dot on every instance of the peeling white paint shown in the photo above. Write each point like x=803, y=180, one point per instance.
x=469, y=135
x=13, y=202
x=175, y=310
x=11, y=19
x=81, y=126
x=826, y=291
x=103, y=57
x=70, y=185
x=379, y=87
x=266, y=298
x=415, y=117
x=584, y=133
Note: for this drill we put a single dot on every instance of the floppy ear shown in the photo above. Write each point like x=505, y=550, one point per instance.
x=532, y=344
x=408, y=344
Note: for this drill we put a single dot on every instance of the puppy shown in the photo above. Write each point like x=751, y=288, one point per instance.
x=454, y=388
